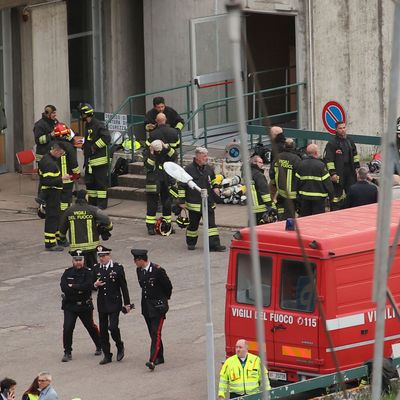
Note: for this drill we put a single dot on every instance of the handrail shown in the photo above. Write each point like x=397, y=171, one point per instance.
x=251, y=74
x=135, y=96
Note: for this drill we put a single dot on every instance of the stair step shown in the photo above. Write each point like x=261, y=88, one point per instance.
x=127, y=193
x=132, y=180
x=136, y=168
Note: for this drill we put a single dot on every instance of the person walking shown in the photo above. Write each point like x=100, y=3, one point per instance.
x=156, y=291
x=241, y=373
x=342, y=162
x=97, y=160
x=313, y=183
x=51, y=184
x=204, y=177
x=76, y=286
x=363, y=191
x=110, y=282
x=85, y=224
x=47, y=391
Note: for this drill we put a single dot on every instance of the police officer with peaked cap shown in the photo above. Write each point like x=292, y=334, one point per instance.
x=110, y=282
x=156, y=291
x=76, y=285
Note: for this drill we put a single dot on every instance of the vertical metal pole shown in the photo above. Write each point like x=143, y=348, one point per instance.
x=286, y=90
x=384, y=210
x=207, y=283
x=234, y=14
x=188, y=107
x=254, y=94
x=205, y=125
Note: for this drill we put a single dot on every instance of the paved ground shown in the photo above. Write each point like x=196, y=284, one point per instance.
x=31, y=319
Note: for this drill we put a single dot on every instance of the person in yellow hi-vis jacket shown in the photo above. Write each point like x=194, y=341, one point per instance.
x=241, y=374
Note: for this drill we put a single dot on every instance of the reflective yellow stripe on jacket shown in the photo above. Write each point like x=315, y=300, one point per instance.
x=241, y=380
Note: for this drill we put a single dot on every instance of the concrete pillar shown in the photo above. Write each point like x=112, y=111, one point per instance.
x=44, y=60
x=123, y=53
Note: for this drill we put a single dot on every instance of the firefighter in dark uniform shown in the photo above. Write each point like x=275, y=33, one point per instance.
x=262, y=203
x=156, y=291
x=95, y=150
x=165, y=133
x=68, y=163
x=76, y=285
x=43, y=131
x=157, y=182
x=85, y=224
x=204, y=177
x=342, y=161
x=173, y=118
x=283, y=180
x=313, y=183
x=110, y=282
x=50, y=184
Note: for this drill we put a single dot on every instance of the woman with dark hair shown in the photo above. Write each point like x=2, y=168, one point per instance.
x=32, y=393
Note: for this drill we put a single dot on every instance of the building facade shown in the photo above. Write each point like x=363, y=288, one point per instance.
x=63, y=52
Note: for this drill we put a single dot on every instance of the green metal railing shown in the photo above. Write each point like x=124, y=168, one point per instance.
x=303, y=136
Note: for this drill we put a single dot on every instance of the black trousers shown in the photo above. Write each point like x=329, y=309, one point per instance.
x=152, y=198
x=109, y=322
x=154, y=325
x=312, y=207
x=341, y=189
x=286, y=208
x=66, y=195
x=69, y=325
x=51, y=223
x=192, y=229
x=96, y=179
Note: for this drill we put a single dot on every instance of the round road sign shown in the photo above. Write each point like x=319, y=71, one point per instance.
x=331, y=114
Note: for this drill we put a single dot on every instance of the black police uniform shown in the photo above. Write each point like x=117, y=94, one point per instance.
x=50, y=185
x=42, y=132
x=341, y=159
x=77, y=303
x=313, y=186
x=173, y=118
x=109, y=303
x=156, y=291
x=95, y=150
x=204, y=177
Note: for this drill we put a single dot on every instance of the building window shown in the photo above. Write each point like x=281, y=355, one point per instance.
x=83, y=44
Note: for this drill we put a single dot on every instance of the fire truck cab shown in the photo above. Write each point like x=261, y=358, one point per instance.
x=340, y=247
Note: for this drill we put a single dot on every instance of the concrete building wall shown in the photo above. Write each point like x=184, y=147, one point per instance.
x=123, y=52
x=167, y=44
x=45, y=80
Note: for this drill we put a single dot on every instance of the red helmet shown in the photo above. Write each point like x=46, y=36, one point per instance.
x=163, y=227
x=61, y=130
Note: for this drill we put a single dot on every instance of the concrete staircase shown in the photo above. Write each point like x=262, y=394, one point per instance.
x=131, y=185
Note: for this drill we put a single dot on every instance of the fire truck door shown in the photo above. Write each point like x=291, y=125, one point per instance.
x=296, y=320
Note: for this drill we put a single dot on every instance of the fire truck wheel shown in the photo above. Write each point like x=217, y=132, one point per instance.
x=388, y=372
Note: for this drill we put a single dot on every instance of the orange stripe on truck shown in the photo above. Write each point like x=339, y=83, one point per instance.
x=296, y=351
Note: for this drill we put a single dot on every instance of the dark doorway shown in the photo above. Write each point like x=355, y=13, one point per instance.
x=271, y=53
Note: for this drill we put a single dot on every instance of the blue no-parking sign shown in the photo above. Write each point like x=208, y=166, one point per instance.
x=332, y=113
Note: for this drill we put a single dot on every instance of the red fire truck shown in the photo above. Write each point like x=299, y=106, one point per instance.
x=340, y=247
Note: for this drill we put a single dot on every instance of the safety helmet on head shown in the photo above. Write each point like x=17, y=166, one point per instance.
x=162, y=227
x=61, y=130
x=86, y=110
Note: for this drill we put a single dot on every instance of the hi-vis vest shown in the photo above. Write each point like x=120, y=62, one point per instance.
x=242, y=380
